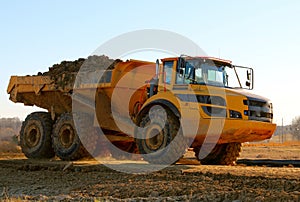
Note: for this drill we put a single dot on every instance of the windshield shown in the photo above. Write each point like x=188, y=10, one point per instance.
x=198, y=72
x=209, y=72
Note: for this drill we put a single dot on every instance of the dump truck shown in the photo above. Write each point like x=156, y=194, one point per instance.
x=174, y=104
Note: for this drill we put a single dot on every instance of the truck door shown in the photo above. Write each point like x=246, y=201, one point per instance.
x=166, y=76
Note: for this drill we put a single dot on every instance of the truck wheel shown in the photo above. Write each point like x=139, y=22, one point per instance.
x=159, y=138
x=35, y=136
x=222, y=154
x=66, y=142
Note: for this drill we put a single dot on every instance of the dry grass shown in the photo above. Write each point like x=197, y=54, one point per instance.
x=9, y=147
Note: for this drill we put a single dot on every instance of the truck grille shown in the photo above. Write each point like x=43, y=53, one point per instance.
x=259, y=110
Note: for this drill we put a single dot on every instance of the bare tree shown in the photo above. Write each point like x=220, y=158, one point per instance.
x=296, y=128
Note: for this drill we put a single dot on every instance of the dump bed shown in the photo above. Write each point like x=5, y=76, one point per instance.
x=54, y=92
x=50, y=94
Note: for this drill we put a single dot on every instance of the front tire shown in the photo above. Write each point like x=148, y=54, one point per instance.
x=159, y=138
x=35, y=136
x=222, y=154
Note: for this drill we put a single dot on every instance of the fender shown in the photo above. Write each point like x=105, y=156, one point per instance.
x=162, y=102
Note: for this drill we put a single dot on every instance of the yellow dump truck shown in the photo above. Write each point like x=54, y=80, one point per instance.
x=175, y=104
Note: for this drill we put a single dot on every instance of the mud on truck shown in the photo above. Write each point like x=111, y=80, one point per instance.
x=175, y=104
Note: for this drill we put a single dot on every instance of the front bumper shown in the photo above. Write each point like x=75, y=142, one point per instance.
x=230, y=130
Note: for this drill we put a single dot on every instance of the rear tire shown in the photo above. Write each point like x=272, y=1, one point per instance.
x=66, y=142
x=35, y=136
x=161, y=140
x=222, y=154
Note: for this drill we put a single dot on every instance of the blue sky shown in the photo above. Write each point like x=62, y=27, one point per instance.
x=265, y=35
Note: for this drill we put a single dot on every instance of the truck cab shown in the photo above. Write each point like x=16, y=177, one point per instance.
x=214, y=81
x=209, y=98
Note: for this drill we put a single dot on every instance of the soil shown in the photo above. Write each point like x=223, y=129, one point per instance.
x=88, y=180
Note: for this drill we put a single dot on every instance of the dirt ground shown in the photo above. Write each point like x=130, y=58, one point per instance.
x=55, y=180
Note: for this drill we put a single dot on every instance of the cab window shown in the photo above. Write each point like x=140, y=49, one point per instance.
x=168, y=69
x=184, y=76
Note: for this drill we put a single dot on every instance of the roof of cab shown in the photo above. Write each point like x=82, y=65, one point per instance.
x=214, y=59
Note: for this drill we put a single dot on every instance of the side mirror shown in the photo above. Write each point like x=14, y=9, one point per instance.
x=248, y=75
x=241, y=77
x=248, y=84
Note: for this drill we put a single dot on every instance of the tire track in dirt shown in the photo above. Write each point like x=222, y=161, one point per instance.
x=89, y=180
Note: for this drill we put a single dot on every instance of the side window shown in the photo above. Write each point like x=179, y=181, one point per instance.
x=198, y=77
x=211, y=75
x=215, y=76
x=168, y=69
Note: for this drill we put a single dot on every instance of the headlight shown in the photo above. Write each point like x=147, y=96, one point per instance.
x=235, y=114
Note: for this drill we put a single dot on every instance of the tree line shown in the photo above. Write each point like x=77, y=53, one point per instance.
x=9, y=128
x=296, y=128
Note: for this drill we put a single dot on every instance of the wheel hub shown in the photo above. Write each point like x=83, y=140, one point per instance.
x=67, y=136
x=32, y=136
x=154, y=137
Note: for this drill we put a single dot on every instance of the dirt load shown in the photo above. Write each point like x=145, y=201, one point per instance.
x=54, y=180
x=66, y=68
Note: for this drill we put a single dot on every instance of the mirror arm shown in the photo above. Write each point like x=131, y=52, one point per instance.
x=237, y=76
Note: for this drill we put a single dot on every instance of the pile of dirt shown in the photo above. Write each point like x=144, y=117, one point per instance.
x=64, y=74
